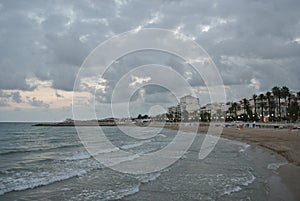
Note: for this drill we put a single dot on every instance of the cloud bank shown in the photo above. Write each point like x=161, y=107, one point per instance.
x=254, y=44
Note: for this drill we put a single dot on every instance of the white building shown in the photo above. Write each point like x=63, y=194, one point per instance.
x=189, y=104
x=216, y=110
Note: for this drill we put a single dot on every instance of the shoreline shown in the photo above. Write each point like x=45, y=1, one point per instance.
x=282, y=184
x=281, y=141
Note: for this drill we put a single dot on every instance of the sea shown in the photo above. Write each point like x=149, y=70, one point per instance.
x=51, y=163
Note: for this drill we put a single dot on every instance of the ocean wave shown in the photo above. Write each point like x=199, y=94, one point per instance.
x=26, y=150
x=85, y=155
x=133, y=145
x=9, y=184
x=18, y=179
x=241, y=145
x=233, y=184
x=148, y=177
x=117, y=160
x=108, y=195
x=275, y=166
x=245, y=179
x=130, y=189
x=111, y=195
x=244, y=147
x=162, y=135
x=232, y=190
x=250, y=180
x=76, y=156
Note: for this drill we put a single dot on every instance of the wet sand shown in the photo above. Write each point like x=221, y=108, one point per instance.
x=282, y=141
x=290, y=175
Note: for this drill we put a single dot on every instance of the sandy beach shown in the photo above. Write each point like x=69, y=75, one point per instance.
x=282, y=141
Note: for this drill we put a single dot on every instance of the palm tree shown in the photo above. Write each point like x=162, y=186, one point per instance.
x=246, y=107
x=290, y=98
x=285, y=94
x=272, y=107
x=268, y=96
x=262, y=105
x=243, y=103
x=230, y=111
x=277, y=93
x=254, y=100
x=294, y=109
x=235, y=107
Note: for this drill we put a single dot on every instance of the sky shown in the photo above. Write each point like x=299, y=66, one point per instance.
x=254, y=45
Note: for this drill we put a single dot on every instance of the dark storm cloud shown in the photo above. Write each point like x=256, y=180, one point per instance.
x=246, y=39
x=66, y=49
x=138, y=59
x=37, y=39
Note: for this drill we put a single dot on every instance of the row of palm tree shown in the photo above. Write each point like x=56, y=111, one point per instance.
x=270, y=102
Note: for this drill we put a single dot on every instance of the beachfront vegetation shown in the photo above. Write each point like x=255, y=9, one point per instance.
x=279, y=104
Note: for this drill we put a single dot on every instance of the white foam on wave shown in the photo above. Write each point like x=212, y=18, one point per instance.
x=244, y=147
x=110, y=161
x=232, y=190
x=145, y=178
x=133, y=145
x=244, y=180
x=108, y=195
x=77, y=156
x=185, y=155
x=250, y=180
x=148, y=177
x=45, y=174
x=123, y=193
x=162, y=135
x=104, y=151
x=236, y=183
x=275, y=166
x=85, y=155
x=18, y=184
x=117, y=160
